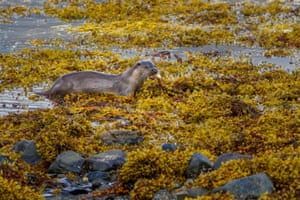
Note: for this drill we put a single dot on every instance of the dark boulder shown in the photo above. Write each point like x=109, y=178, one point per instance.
x=28, y=151
x=250, y=187
x=162, y=195
x=198, y=164
x=120, y=137
x=229, y=156
x=2, y=159
x=99, y=176
x=169, y=147
x=106, y=161
x=68, y=161
x=193, y=192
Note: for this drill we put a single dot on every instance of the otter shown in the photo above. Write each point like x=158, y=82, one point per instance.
x=124, y=84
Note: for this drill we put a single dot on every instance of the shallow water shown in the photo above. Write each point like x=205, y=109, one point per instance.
x=16, y=36
x=15, y=101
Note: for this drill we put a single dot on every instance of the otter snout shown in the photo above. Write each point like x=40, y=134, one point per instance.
x=154, y=70
x=155, y=73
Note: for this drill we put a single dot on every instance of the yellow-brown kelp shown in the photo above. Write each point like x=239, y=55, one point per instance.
x=204, y=103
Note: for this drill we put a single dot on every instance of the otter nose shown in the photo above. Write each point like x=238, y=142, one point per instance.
x=154, y=70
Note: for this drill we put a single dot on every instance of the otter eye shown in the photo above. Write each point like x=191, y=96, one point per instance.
x=138, y=64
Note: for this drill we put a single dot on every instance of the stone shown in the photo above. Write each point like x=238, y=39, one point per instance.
x=198, y=164
x=99, y=176
x=180, y=195
x=106, y=161
x=2, y=159
x=250, y=187
x=28, y=151
x=169, y=147
x=100, y=180
x=162, y=195
x=68, y=161
x=229, y=156
x=120, y=137
x=193, y=192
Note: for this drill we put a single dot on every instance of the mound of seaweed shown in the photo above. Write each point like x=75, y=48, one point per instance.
x=203, y=103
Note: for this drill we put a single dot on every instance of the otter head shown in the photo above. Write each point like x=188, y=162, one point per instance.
x=134, y=77
x=146, y=68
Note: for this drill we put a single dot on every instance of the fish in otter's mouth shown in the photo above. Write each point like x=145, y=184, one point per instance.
x=155, y=74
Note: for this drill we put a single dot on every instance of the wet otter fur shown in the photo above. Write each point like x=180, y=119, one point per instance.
x=124, y=84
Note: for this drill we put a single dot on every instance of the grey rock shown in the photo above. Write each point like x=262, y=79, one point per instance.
x=99, y=176
x=125, y=197
x=250, y=187
x=100, y=180
x=120, y=137
x=113, y=197
x=198, y=164
x=169, y=147
x=28, y=151
x=180, y=195
x=229, y=156
x=2, y=159
x=68, y=161
x=162, y=195
x=106, y=161
x=194, y=192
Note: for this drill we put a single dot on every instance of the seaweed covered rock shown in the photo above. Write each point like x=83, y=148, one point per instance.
x=248, y=187
x=68, y=161
x=120, y=137
x=198, y=163
x=28, y=151
x=106, y=161
x=169, y=147
x=163, y=195
x=229, y=156
x=2, y=159
x=194, y=192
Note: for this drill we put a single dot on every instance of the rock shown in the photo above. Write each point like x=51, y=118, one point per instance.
x=180, y=195
x=169, y=147
x=120, y=137
x=99, y=176
x=106, y=161
x=162, y=195
x=250, y=187
x=2, y=159
x=68, y=161
x=229, y=156
x=28, y=151
x=100, y=180
x=193, y=192
x=198, y=163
